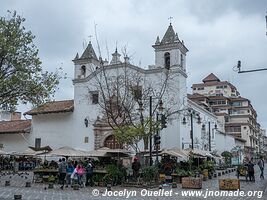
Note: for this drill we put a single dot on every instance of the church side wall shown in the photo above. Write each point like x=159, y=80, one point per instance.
x=55, y=130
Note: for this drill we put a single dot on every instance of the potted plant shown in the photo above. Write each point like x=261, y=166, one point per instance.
x=114, y=175
x=180, y=174
x=149, y=174
x=96, y=179
x=208, y=168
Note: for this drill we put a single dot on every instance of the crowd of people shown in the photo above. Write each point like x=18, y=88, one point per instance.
x=75, y=172
x=22, y=163
x=251, y=171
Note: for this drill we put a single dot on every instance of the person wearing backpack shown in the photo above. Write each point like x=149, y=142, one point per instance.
x=89, y=173
x=62, y=172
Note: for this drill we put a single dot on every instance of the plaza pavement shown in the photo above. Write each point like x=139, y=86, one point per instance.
x=38, y=192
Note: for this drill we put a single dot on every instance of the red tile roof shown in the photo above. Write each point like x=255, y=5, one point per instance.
x=53, y=107
x=16, y=126
x=211, y=78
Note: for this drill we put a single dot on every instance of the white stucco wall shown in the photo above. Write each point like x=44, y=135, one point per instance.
x=224, y=142
x=55, y=130
x=15, y=142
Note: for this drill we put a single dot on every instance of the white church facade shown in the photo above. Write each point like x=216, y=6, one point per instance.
x=110, y=92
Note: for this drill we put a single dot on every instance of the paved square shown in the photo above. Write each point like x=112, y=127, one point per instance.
x=38, y=191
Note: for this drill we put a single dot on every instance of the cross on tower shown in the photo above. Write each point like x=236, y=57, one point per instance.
x=170, y=18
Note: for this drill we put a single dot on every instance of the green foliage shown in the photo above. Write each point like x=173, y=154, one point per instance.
x=227, y=155
x=149, y=173
x=182, y=172
x=21, y=76
x=132, y=134
x=114, y=174
x=209, y=165
x=51, y=179
x=97, y=178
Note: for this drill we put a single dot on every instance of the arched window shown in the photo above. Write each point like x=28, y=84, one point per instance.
x=167, y=60
x=182, y=60
x=83, y=70
x=112, y=143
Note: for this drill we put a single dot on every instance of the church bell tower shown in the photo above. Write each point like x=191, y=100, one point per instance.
x=170, y=51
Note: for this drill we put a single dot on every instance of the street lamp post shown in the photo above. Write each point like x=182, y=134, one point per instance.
x=209, y=138
x=209, y=132
x=157, y=141
x=192, y=130
x=150, y=126
x=150, y=130
x=192, y=114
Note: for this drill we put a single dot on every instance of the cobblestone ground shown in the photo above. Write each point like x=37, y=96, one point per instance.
x=38, y=191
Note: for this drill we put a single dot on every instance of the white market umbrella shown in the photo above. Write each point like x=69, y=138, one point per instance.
x=30, y=152
x=3, y=152
x=181, y=154
x=67, y=152
x=107, y=152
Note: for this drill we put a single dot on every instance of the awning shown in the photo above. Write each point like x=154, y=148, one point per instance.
x=67, y=152
x=3, y=152
x=199, y=153
x=30, y=152
x=176, y=153
x=107, y=152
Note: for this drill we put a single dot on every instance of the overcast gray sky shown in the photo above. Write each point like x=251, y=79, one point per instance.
x=216, y=32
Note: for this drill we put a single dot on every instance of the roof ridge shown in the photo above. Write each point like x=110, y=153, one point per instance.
x=211, y=77
x=89, y=52
x=169, y=36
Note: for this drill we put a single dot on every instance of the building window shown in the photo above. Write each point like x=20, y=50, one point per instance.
x=86, y=139
x=201, y=88
x=37, y=142
x=1, y=146
x=194, y=88
x=94, y=97
x=167, y=60
x=233, y=129
x=137, y=92
x=83, y=70
x=112, y=143
x=221, y=102
x=237, y=103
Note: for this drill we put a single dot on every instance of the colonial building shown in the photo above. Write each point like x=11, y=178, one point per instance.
x=84, y=122
x=234, y=111
x=108, y=93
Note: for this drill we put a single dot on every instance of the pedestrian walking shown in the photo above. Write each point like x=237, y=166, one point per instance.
x=62, y=169
x=70, y=170
x=89, y=173
x=261, y=166
x=136, y=167
x=251, y=171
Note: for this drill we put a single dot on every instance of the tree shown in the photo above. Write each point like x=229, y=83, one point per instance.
x=22, y=79
x=130, y=135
